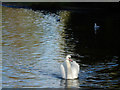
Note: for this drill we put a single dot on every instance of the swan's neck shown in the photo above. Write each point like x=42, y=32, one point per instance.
x=69, y=71
x=68, y=64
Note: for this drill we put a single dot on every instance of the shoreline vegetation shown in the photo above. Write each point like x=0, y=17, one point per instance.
x=81, y=7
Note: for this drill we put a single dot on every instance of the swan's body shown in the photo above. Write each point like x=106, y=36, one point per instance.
x=69, y=69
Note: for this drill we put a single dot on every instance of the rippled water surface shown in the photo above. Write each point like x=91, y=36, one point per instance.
x=35, y=43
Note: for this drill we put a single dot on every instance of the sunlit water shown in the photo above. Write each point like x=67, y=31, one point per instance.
x=35, y=43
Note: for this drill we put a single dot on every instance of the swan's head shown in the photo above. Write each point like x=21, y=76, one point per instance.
x=68, y=57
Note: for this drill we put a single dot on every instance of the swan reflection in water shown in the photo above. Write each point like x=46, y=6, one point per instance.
x=71, y=83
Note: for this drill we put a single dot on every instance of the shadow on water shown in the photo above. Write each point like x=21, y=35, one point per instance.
x=97, y=53
x=104, y=42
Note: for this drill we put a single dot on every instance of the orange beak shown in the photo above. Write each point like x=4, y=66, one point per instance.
x=70, y=60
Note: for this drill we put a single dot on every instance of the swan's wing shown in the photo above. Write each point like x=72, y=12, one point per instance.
x=62, y=71
x=75, y=65
x=75, y=69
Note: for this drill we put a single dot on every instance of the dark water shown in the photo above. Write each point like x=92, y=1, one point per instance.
x=35, y=43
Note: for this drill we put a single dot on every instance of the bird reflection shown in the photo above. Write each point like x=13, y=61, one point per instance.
x=70, y=83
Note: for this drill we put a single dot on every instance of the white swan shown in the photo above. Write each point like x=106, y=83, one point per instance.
x=69, y=69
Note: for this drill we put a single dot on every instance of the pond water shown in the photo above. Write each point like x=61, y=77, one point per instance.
x=35, y=43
